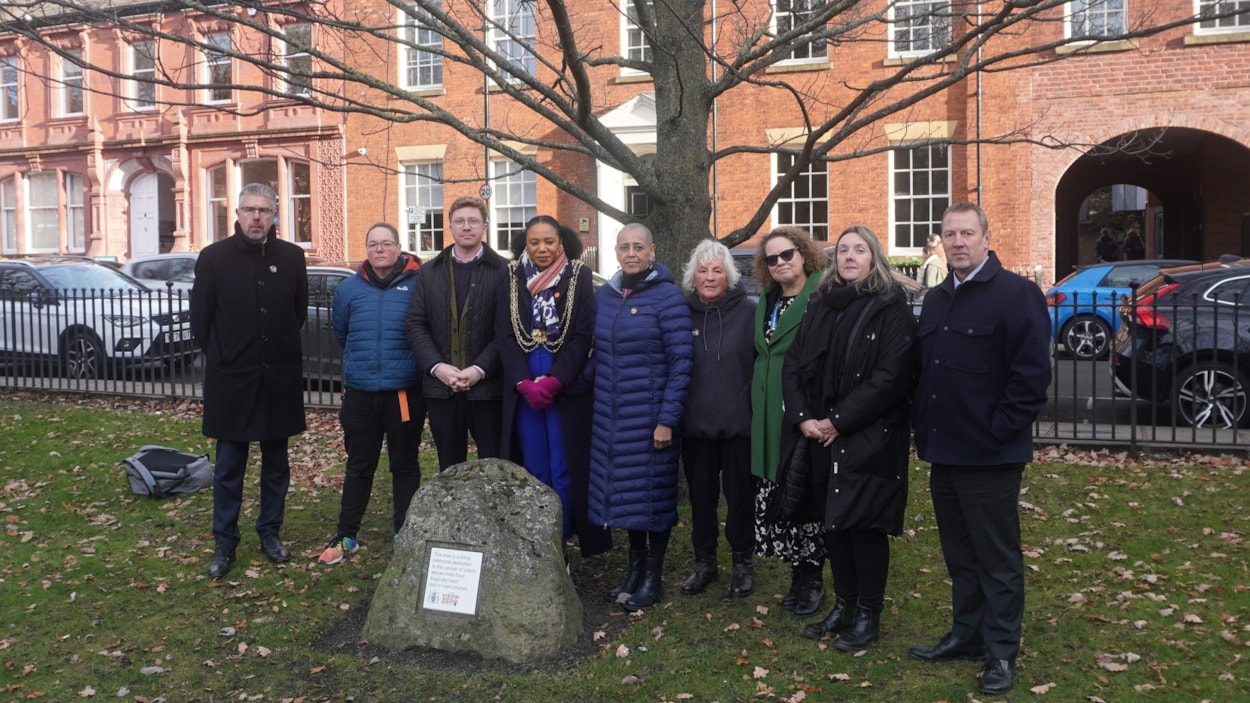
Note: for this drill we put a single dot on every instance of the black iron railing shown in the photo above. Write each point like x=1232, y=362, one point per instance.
x=1171, y=374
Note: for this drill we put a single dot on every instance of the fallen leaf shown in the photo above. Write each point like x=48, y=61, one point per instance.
x=599, y=634
x=86, y=692
x=622, y=651
x=631, y=680
x=1042, y=689
x=760, y=672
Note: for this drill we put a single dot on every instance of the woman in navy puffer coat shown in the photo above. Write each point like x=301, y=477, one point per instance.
x=641, y=360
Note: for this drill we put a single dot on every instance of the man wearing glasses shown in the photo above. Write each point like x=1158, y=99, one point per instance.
x=248, y=304
x=451, y=327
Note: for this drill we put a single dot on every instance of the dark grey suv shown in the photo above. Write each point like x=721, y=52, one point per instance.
x=1184, y=341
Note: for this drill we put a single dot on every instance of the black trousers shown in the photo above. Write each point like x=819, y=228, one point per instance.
x=711, y=464
x=978, y=519
x=859, y=561
x=367, y=417
x=451, y=421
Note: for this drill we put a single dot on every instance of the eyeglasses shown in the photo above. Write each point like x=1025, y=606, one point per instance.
x=250, y=211
x=461, y=222
x=786, y=255
x=380, y=245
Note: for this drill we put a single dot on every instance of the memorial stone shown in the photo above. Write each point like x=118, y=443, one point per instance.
x=479, y=568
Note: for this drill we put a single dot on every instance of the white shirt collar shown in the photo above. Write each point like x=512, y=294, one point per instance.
x=975, y=271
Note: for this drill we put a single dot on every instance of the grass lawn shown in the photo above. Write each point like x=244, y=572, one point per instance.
x=1137, y=590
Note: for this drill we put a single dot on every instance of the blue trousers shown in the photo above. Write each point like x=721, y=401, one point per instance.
x=542, y=442
x=228, y=473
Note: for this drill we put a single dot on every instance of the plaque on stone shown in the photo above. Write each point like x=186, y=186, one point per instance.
x=451, y=580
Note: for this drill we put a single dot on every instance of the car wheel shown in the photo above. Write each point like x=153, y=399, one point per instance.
x=82, y=356
x=1087, y=337
x=1211, y=395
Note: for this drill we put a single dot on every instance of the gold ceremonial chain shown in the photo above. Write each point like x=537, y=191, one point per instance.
x=529, y=341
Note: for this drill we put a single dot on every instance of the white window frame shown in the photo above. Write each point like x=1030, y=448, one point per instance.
x=935, y=198
x=517, y=43
x=426, y=66
x=421, y=199
x=40, y=210
x=296, y=201
x=295, y=57
x=1227, y=25
x=806, y=204
x=71, y=88
x=10, y=94
x=142, y=65
x=213, y=59
x=8, y=215
x=516, y=191
x=1093, y=19
x=634, y=44
x=217, y=203
x=75, y=213
x=938, y=36
x=783, y=18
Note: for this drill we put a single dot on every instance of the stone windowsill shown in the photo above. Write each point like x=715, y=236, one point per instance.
x=1097, y=47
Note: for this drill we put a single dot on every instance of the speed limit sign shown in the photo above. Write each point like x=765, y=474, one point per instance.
x=484, y=191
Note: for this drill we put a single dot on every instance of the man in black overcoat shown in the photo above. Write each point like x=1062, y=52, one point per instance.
x=249, y=301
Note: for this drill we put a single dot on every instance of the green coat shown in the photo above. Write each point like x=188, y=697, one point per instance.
x=766, y=414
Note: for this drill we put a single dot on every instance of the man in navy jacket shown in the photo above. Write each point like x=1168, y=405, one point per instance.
x=985, y=369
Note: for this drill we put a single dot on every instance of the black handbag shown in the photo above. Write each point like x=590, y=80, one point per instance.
x=791, y=500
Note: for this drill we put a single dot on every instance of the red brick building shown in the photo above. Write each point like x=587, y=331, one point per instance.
x=1178, y=100
x=93, y=162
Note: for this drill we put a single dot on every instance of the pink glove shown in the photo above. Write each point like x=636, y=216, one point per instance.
x=530, y=391
x=549, y=387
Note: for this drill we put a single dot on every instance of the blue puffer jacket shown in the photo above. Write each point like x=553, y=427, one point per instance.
x=641, y=362
x=369, y=325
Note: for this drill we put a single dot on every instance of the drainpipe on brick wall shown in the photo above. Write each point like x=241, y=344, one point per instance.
x=980, y=18
x=715, y=108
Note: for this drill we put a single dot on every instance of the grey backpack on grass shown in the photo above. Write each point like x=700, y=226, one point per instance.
x=157, y=471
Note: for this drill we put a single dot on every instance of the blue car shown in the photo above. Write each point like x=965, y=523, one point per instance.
x=1083, y=306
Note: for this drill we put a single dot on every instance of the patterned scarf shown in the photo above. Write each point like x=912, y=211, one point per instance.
x=542, y=285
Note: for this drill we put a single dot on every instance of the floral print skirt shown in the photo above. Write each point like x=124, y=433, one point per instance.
x=795, y=543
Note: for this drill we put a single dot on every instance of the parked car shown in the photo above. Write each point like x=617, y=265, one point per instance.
x=86, y=316
x=163, y=271
x=323, y=357
x=1083, y=306
x=1184, y=341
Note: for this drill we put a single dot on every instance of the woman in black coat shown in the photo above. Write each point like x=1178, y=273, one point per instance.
x=847, y=380
x=543, y=328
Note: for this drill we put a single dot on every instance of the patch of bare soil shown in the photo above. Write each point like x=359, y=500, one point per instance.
x=602, y=623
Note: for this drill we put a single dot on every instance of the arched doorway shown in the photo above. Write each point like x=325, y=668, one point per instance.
x=1197, y=201
x=151, y=207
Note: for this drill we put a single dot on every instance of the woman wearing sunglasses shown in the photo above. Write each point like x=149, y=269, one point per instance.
x=785, y=266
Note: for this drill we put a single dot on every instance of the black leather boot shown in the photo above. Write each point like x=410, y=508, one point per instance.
x=837, y=621
x=705, y=572
x=744, y=575
x=811, y=596
x=651, y=591
x=633, y=577
x=866, y=630
x=796, y=582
